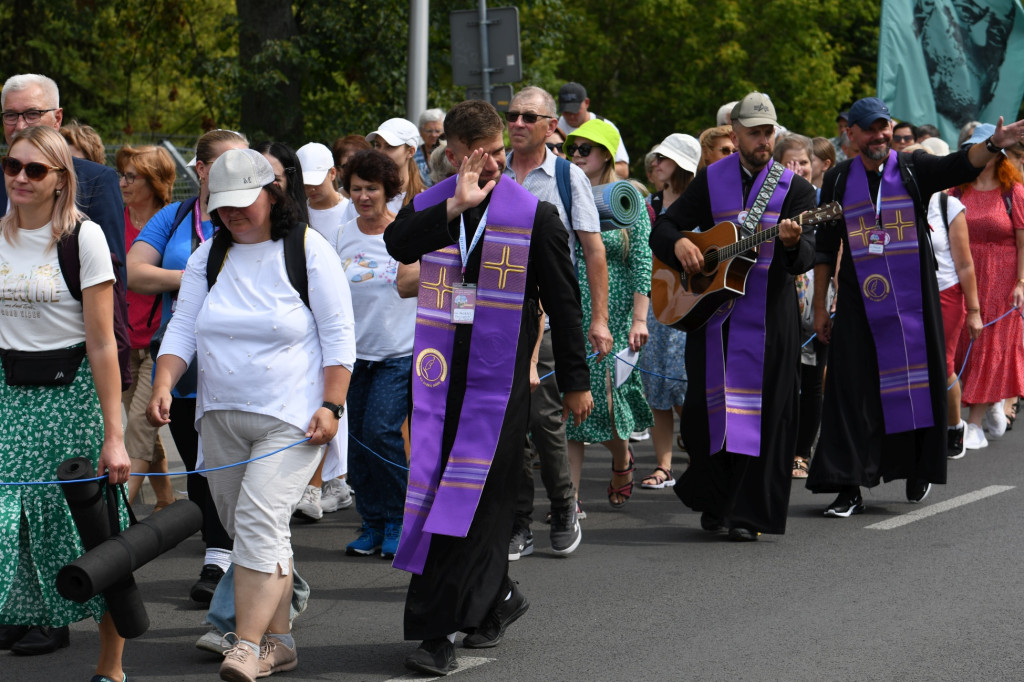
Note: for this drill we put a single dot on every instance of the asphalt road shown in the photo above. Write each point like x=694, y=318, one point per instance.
x=650, y=596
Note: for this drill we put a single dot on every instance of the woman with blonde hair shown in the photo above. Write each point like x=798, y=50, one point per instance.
x=43, y=329
x=715, y=144
x=618, y=411
x=398, y=139
x=84, y=142
x=147, y=180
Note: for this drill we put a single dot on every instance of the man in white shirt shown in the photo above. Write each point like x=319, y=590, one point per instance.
x=574, y=107
x=533, y=166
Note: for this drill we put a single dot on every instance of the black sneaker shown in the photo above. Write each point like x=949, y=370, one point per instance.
x=521, y=543
x=565, y=530
x=434, y=656
x=740, y=534
x=204, y=588
x=917, y=490
x=847, y=503
x=501, y=616
x=955, y=442
x=711, y=523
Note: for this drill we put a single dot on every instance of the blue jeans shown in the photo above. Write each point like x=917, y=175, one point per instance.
x=378, y=403
x=222, y=606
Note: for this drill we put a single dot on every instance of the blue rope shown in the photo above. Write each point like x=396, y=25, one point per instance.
x=380, y=457
x=971, y=345
x=176, y=473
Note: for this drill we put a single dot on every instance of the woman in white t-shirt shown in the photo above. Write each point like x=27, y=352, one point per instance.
x=77, y=413
x=274, y=366
x=385, y=323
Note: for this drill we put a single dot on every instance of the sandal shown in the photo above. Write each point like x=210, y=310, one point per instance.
x=625, y=491
x=659, y=478
x=800, y=468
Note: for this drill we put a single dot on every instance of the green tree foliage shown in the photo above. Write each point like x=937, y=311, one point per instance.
x=174, y=67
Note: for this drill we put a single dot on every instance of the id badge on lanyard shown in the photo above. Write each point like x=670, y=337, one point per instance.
x=464, y=293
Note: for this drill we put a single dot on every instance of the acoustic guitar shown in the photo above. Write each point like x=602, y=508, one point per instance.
x=687, y=302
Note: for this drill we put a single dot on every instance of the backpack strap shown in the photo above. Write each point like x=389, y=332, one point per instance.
x=1008, y=200
x=906, y=164
x=564, y=187
x=218, y=252
x=295, y=260
x=944, y=208
x=184, y=208
x=69, y=259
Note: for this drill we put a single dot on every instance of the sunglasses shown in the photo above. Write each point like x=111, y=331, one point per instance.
x=584, y=150
x=33, y=170
x=553, y=146
x=903, y=138
x=529, y=119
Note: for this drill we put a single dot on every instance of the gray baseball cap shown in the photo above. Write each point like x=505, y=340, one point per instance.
x=756, y=109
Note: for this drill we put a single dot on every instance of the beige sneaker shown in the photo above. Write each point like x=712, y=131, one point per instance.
x=241, y=664
x=276, y=656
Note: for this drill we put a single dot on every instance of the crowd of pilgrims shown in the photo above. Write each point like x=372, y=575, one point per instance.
x=351, y=191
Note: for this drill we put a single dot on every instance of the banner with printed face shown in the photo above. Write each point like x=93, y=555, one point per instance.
x=948, y=62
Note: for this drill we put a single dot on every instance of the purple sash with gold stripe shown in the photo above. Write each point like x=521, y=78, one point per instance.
x=444, y=502
x=890, y=284
x=734, y=385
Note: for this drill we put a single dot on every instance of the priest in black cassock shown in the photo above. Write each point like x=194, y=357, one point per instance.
x=489, y=254
x=740, y=468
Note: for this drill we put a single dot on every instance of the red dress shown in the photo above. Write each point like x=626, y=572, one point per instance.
x=995, y=367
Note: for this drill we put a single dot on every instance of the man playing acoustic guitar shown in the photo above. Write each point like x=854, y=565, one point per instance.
x=740, y=416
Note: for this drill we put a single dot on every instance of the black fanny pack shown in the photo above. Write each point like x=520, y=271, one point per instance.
x=43, y=367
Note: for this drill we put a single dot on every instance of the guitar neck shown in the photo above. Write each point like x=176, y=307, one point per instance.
x=807, y=220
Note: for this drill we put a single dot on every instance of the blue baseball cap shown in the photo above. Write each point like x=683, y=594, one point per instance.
x=866, y=111
x=982, y=132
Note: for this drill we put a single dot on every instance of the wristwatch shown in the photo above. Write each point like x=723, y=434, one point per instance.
x=336, y=410
x=991, y=146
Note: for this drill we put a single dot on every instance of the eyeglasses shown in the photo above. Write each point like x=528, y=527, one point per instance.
x=128, y=178
x=903, y=138
x=31, y=116
x=33, y=170
x=529, y=119
x=584, y=150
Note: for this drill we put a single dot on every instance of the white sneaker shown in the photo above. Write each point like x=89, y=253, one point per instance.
x=974, y=438
x=994, y=421
x=309, y=506
x=214, y=642
x=336, y=495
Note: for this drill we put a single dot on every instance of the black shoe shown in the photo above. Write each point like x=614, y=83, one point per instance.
x=847, y=503
x=204, y=588
x=917, y=490
x=711, y=523
x=501, y=616
x=9, y=634
x=435, y=656
x=41, y=640
x=739, y=534
x=955, y=448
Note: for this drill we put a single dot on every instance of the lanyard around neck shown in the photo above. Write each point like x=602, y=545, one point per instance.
x=463, y=251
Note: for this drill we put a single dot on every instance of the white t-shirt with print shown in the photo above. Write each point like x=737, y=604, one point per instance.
x=36, y=310
x=385, y=322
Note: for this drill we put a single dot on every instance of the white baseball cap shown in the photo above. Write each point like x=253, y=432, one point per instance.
x=316, y=160
x=681, y=148
x=237, y=178
x=396, y=132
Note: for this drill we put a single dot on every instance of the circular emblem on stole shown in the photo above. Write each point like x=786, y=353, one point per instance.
x=876, y=288
x=431, y=367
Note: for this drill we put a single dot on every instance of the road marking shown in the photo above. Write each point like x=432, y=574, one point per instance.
x=944, y=506
x=465, y=663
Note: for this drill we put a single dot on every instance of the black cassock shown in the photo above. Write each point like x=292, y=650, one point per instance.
x=853, y=448
x=744, y=491
x=463, y=577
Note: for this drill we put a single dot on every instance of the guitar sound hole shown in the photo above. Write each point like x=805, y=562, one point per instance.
x=710, y=261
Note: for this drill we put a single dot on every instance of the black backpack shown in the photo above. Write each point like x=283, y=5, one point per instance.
x=68, y=256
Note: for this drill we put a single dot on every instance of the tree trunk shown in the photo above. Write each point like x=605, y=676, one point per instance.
x=271, y=108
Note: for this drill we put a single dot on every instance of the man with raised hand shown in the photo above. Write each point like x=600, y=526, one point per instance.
x=489, y=253
x=884, y=412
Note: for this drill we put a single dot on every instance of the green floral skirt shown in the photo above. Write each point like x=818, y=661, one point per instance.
x=40, y=427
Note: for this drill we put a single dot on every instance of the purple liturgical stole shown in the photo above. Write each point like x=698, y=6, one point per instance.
x=888, y=269
x=442, y=498
x=734, y=384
